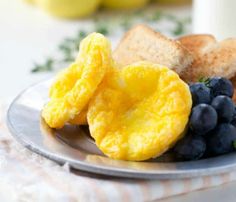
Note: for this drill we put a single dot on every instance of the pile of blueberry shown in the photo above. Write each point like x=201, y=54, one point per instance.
x=212, y=123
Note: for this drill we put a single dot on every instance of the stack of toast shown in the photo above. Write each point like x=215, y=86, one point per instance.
x=191, y=56
x=143, y=43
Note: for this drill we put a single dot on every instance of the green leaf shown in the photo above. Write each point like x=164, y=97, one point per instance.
x=102, y=29
x=47, y=66
x=82, y=34
x=138, y=13
x=126, y=23
x=179, y=28
x=157, y=16
x=68, y=59
x=204, y=80
x=234, y=144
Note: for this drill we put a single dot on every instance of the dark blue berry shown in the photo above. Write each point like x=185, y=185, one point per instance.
x=224, y=107
x=200, y=93
x=190, y=147
x=221, y=86
x=233, y=122
x=221, y=139
x=203, y=119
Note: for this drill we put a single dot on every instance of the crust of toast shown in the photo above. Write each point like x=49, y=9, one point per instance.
x=211, y=58
x=197, y=43
x=143, y=43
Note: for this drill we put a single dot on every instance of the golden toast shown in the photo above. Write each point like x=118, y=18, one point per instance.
x=211, y=58
x=143, y=43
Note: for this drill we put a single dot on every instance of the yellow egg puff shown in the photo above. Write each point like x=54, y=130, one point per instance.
x=139, y=112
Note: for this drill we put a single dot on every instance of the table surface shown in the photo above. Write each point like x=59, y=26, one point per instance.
x=25, y=36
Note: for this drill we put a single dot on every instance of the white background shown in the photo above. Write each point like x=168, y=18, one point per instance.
x=26, y=35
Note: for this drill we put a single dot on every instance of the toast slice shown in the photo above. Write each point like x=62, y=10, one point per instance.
x=197, y=43
x=211, y=58
x=143, y=43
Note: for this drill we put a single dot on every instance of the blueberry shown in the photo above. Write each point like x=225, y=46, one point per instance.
x=203, y=119
x=224, y=107
x=200, y=93
x=233, y=122
x=221, y=86
x=221, y=139
x=190, y=147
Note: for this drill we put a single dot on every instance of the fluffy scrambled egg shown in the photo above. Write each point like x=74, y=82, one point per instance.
x=73, y=87
x=139, y=112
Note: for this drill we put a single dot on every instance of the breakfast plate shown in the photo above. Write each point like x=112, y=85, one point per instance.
x=74, y=146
